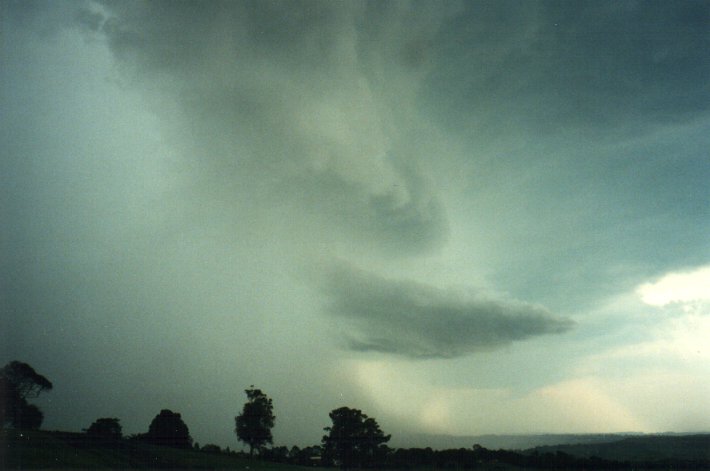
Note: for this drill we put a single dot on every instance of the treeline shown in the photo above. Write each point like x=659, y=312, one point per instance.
x=476, y=457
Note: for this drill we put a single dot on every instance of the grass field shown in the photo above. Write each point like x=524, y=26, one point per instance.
x=64, y=450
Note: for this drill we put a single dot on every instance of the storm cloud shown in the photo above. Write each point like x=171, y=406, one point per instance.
x=565, y=65
x=289, y=104
x=200, y=196
x=420, y=321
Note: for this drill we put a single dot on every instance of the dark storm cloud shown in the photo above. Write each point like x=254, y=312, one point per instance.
x=291, y=103
x=420, y=321
x=44, y=17
x=559, y=63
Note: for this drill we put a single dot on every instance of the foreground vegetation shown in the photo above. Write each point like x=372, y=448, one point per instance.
x=37, y=449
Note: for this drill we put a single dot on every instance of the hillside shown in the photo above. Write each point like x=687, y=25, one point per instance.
x=640, y=448
x=502, y=441
x=42, y=449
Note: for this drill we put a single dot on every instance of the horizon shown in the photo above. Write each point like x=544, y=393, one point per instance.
x=466, y=218
x=440, y=442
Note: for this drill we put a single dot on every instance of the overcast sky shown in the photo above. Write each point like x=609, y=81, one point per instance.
x=460, y=218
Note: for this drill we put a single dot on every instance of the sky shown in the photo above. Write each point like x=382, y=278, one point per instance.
x=461, y=218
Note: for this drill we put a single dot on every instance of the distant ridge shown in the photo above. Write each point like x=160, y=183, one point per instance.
x=514, y=441
x=645, y=447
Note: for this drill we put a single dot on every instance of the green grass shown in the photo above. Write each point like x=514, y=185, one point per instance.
x=43, y=450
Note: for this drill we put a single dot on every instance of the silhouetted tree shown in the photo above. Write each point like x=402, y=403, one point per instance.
x=105, y=429
x=18, y=382
x=168, y=429
x=254, y=424
x=354, y=439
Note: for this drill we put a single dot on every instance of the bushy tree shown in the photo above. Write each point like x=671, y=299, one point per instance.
x=168, y=429
x=105, y=429
x=354, y=439
x=254, y=424
x=19, y=382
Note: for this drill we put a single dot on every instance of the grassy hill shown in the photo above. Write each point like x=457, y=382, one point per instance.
x=42, y=449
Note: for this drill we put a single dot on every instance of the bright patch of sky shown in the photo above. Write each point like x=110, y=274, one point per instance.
x=687, y=288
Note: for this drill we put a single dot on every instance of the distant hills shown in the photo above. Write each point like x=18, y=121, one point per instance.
x=577, y=444
x=640, y=448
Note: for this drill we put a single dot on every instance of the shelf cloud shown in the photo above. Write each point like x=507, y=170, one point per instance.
x=420, y=321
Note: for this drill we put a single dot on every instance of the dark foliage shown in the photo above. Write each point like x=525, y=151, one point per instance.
x=168, y=429
x=277, y=454
x=479, y=457
x=18, y=382
x=27, y=417
x=412, y=457
x=24, y=380
x=254, y=424
x=105, y=429
x=66, y=450
x=211, y=448
x=308, y=456
x=354, y=440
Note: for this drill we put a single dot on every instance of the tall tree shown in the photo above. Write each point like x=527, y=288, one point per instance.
x=354, y=439
x=18, y=382
x=254, y=424
x=168, y=429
